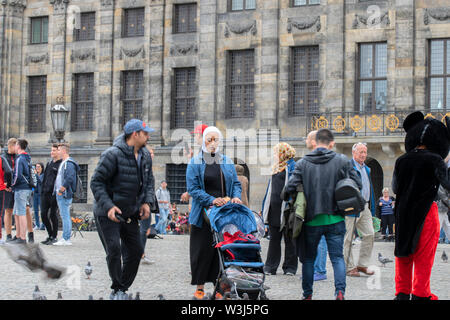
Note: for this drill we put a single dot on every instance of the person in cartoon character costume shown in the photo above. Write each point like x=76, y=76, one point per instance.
x=417, y=176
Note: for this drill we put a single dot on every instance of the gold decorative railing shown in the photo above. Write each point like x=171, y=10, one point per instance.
x=385, y=123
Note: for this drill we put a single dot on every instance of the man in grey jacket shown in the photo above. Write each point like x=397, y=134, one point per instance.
x=319, y=171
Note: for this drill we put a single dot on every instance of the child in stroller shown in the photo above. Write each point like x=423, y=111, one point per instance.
x=236, y=231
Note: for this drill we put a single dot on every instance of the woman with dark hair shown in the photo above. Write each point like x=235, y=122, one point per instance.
x=39, y=168
x=211, y=178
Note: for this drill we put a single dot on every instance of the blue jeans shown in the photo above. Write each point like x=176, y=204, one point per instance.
x=36, y=206
x=320, y=265
x=334, y=235
x=162, y=223
x=64, y=211
x=20, y=202
x=144, y=225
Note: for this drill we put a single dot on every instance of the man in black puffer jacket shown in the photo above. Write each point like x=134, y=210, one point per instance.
x=123, y=188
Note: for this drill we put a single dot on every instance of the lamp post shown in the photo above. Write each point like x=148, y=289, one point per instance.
x=59, y=114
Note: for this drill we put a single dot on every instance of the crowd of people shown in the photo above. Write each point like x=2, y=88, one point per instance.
x=46, y=189
x=127, y=213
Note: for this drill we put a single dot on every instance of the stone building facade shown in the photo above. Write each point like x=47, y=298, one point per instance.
x=273, y=69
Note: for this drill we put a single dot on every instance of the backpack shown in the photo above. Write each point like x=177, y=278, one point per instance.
x=348, y=197
x=78, y=193
x=32, y=182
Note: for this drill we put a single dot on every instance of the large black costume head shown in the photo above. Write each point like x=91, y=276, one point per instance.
x=431, y=133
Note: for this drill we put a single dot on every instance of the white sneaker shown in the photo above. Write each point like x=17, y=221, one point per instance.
x=146, y=260
x=62, y=242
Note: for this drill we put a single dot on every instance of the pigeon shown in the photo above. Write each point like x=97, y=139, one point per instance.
x=88, y=270
x=37, y=294
x=59, y=296
x=130, y=296
x=138, y=296
x=91, y=297
x=383, y=260
x=31, y=257
x=245, y=296
x=161, y=297
x=444, y=256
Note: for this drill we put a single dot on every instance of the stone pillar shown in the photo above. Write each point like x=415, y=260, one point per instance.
x=404, y=53
x=269, y=65
x=156, y=56
x=206, y=71
x=104, y=100
x=12, y=110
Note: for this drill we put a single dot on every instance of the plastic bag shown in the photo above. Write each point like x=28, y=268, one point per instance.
x=244, y=278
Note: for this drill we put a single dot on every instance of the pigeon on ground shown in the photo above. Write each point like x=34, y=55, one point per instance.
x=130, y=296
x=31, y=257
x=37, y=294
x=383, y=260
x=138, y=296
x=161, y=297
x=88, y=270
x=59, y=296
x=444, y=256
x=91, y=297
x=245, y=296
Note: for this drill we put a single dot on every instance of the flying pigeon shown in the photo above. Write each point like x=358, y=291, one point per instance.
x=138, y=296
x=37, y=294
x=444, y=256
x=31, y=257
x=59, y=296
x=383, y=260
x=88, y=270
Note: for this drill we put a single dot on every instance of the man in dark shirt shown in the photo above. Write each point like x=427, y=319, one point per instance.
x=48, y=199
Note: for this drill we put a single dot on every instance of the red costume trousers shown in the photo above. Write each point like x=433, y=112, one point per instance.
x=422, y=260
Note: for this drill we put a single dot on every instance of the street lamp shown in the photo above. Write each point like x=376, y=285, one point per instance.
x=59, y=114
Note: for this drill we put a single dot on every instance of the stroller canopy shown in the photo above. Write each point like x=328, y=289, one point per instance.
x=232, y=213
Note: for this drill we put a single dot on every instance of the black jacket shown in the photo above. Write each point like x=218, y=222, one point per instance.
x=117, y=180
x=417, y=176
x=8, y=168
x=319, y=171
x=49, y=177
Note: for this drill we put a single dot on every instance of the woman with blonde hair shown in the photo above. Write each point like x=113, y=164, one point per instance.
x=272, y=211
x=386, y=204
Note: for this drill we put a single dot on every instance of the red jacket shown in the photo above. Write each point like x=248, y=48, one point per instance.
x=2, y=176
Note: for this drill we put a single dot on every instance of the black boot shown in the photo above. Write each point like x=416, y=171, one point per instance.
x=414, y=297
x=402, y=296
x=30, y=237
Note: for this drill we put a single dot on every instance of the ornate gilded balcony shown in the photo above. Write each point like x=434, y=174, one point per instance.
x=386, y=123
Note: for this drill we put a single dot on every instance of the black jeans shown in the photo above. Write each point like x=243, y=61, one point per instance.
x=122, y=243
x=50, y=219
x=387, y=221
x=274, y=252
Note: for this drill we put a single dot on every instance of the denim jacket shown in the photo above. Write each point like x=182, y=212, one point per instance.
x=69, y=172
x=195, y=175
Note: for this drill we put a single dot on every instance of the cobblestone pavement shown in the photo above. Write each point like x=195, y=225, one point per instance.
x=170, y=276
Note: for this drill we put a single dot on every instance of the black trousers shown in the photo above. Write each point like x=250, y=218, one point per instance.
x=203, y=256
x=123, y=247
x=273, y=260
x=387, y=221
x=49, y=214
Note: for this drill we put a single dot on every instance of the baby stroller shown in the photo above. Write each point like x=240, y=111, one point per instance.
x=236, y=232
